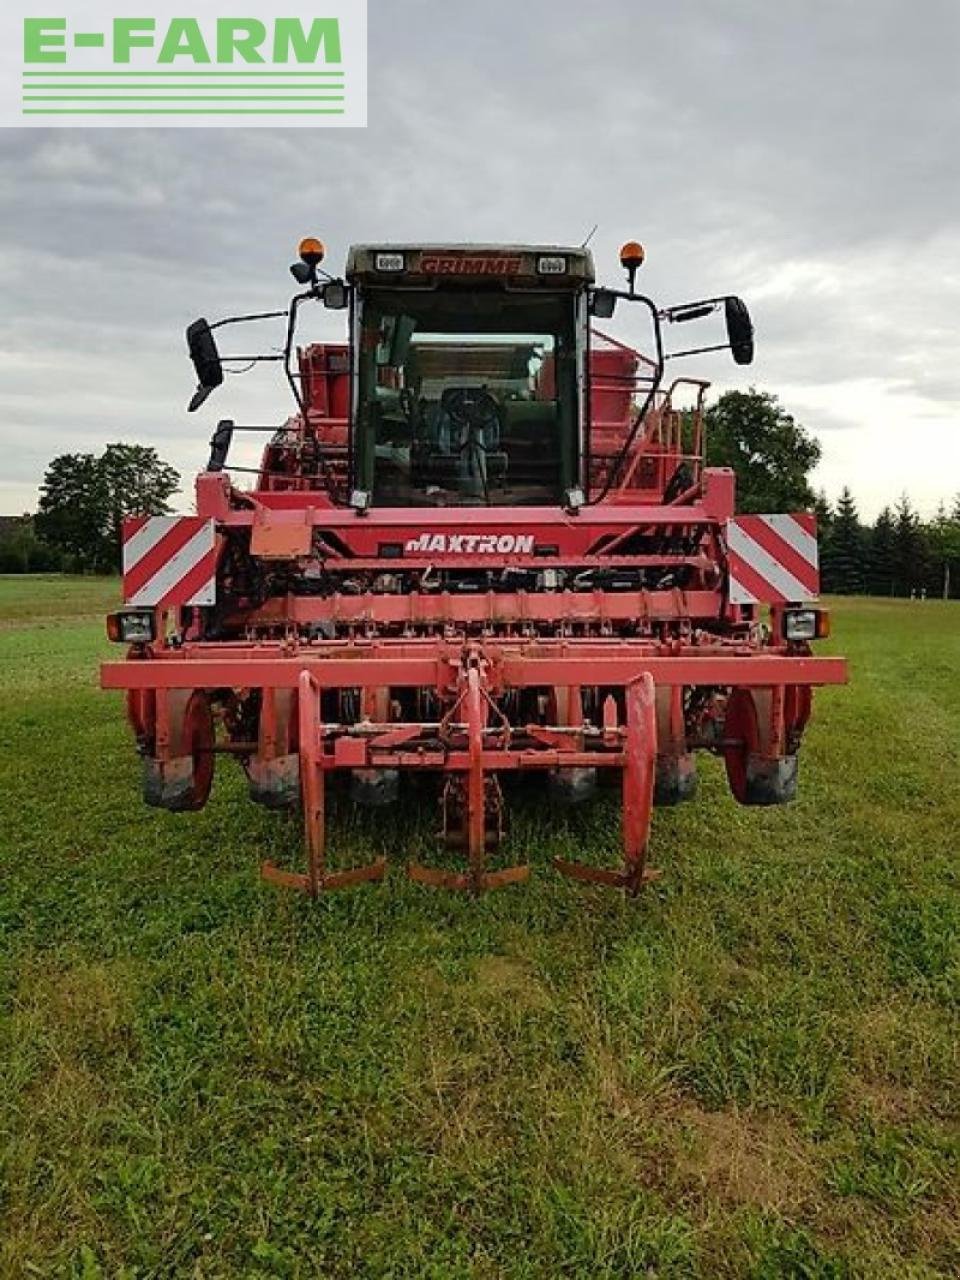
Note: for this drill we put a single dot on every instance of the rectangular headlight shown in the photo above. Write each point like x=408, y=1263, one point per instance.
x=552, y=266
x=389, y=261
x=132, y=626
x=800, y=624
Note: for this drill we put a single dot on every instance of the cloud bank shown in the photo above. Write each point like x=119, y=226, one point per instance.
x=801, y=155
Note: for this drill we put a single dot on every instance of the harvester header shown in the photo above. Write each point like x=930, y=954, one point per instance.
x=484, y=545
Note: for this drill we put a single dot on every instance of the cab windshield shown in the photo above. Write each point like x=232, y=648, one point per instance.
x=466, y=399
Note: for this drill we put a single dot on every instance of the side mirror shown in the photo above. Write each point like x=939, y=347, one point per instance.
x=206, y=360
x=335, y=296
x=603, y=303
x=739, y=329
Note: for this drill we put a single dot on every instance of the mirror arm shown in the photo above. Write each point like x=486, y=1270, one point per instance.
x=287, y=356
x=262, y=315
x=247, y=359
x=668, y=312
x=697, y=351
x=648, y=400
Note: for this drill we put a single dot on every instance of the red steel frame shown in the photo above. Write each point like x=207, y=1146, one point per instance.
x=467, y=650
x=476, y=741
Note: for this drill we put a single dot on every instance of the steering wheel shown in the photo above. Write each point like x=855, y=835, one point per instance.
x=476, y=414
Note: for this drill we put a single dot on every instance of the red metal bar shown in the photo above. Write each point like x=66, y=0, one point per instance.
x=476, y=834
x=491, y=606
x=747, y=670
x=312, y=781
x=290, y=505
x=638, y=777
x=515, y=670
x=313, y=791
x=639, y=772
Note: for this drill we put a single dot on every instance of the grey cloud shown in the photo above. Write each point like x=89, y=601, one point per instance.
x=801, y=152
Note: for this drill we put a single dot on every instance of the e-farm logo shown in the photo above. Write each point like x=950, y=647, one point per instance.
x=213, y=67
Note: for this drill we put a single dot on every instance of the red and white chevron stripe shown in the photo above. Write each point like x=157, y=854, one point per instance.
x=773, y=559
x=169, y=560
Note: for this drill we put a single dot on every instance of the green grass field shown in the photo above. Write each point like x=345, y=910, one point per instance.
x=750, y=1071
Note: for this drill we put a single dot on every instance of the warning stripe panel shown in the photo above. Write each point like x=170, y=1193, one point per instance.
x=772, y=559
x=782, y=553
x=147, y=556
x=169, y=560
x=799, y=530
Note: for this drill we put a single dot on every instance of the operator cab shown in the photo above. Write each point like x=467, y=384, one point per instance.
x=469, y=373
x=472, y=382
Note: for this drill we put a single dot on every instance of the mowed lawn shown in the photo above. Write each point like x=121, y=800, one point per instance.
x=750, y=1071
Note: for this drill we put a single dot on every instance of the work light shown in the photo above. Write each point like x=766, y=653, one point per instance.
x=132, y=626
x=805, y=624
x=552, y=266
x=389, y=261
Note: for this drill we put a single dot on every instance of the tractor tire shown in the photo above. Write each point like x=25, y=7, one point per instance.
x=571, y=786
x=771, y=781
x=676, y=780
x=754, y=779
x=374, y=788
x=275, y=783
x=273, y=771
x=182, y=784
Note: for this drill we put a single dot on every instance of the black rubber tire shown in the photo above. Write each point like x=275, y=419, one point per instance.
x=183, y=785
x=754, y=779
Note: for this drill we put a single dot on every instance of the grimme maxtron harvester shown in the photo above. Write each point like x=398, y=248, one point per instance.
x=485, y=543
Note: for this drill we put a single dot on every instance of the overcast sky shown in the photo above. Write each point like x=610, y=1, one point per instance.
x=804, y=155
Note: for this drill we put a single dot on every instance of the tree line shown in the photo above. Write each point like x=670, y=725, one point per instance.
x=898, y=554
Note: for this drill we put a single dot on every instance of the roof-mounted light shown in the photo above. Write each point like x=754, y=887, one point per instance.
x=311, y=251
x=631, y=259
x=389, y=262
x=632, y=254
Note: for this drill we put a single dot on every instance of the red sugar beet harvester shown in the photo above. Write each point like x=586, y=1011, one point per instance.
x=485, y=543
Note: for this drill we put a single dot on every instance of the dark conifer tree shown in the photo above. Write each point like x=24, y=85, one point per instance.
x=844, y=553
x=910, y=554
x=881, y=571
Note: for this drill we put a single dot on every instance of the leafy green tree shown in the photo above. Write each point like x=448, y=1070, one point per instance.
x=136, y=482
x=770, y=452
x=881, y=571
x=84, y=498
x=21, y=551
x=71, y=510
x=943, y=540
x=842, y=557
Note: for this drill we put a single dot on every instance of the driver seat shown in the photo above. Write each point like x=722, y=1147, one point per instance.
x=447, y=459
